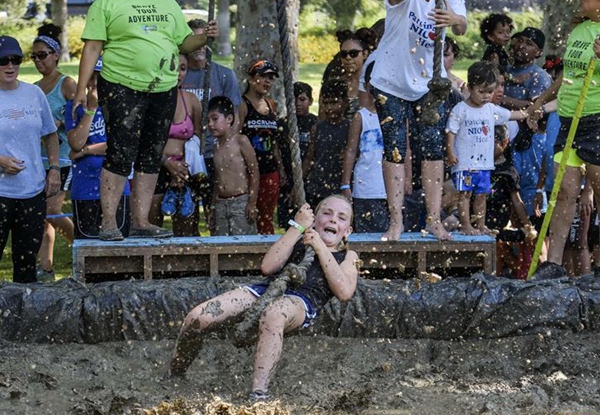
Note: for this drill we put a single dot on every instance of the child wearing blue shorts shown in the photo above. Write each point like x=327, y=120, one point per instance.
x=470, y=144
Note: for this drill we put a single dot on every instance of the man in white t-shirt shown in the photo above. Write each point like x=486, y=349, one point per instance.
x=402, y=70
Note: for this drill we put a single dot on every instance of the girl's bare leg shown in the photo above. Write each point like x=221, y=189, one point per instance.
x=203, y=318
x=284, y=315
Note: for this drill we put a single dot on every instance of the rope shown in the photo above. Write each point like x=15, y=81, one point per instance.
x=207, y=69
x=291, y=273
x=439, y=88
x=561, y=168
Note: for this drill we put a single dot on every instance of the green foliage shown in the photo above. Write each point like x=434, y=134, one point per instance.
x=471, y=44
x=76, y=25
x=317, y=49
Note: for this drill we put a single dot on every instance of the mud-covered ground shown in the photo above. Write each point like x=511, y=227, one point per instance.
x=554, y=374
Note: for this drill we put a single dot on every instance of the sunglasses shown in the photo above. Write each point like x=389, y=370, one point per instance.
x=352, y=53
x=15, y=60
x=40, y=55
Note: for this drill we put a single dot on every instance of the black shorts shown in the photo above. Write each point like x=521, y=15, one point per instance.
x=137, y=125
x=587, y=139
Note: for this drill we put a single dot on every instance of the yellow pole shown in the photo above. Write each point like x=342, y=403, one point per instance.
x=563, y=164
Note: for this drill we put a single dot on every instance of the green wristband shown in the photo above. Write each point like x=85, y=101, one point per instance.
x=296, y=225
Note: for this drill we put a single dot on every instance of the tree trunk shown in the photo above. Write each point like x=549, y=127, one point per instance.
x=557, y=24
x=59, y=18
x=223, y=17
x=257, y=36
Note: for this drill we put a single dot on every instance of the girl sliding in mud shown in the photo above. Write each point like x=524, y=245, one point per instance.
x=333, y=274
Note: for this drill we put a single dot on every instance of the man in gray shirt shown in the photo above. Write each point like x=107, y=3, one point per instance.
x=222, y=82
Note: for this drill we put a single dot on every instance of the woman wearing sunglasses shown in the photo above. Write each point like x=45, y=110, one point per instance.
x=355, y=48
x=24, y=186
x=59, y=88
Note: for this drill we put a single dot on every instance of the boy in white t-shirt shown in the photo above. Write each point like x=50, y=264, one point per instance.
x=470, y=144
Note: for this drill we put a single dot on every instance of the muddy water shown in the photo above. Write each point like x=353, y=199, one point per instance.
x=554, y=374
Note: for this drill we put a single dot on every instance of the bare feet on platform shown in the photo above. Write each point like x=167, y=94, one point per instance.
x=436, y=228
x=470, y=231
x=487, y=231
x=393, y=233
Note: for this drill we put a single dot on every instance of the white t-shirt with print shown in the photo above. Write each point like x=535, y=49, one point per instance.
x=474, y=130
x=404, y=62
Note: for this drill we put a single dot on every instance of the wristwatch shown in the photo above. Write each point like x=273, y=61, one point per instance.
x=54, y=167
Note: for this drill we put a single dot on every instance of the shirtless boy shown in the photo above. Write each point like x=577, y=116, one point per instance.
x=236, y=172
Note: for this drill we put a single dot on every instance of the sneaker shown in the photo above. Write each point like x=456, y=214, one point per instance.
x=110, y=235
x=259, y=396
x=45, y=276
x=169, y=202
x=549, y=271
x=186, y=203
x=150, y=232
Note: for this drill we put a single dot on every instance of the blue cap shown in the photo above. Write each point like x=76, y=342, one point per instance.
x=9, y=46
x=98, y=66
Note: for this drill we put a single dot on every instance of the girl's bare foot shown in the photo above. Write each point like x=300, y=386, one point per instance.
x=436, y=228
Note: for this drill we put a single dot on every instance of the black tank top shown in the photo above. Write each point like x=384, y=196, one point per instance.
x=315, y=288
x=262, y=130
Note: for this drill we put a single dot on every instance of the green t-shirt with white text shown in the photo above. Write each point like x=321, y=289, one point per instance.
x=580, y=49
x=141, y=41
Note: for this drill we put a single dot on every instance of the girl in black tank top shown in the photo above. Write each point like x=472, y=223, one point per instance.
x=333, y=273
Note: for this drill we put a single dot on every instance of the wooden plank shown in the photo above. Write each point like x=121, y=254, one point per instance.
x=216, y=254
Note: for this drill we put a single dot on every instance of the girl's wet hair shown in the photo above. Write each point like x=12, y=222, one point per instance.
x=343, y=246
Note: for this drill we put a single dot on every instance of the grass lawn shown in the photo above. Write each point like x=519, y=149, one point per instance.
x=310, y=73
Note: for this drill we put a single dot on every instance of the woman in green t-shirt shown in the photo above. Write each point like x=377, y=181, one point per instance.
x=137, y=90
x=582, y=45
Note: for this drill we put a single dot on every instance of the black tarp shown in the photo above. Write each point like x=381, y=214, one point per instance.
x=476, y=307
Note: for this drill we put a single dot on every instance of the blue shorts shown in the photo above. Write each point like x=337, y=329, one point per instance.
x=476, y=181
x=309, y=308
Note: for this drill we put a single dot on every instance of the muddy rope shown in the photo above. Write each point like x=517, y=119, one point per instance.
x=245, y=332
x=439, y=88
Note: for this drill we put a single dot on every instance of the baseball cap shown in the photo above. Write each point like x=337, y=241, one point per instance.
x=262, y=67
x=9, y=46
x=536, y=35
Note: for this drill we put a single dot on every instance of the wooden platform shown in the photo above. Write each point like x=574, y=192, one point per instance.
x=211, y=255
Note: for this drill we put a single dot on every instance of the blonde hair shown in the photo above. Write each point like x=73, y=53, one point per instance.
x=343, y=245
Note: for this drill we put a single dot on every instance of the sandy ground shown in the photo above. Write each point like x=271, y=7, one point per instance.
x=555, y=374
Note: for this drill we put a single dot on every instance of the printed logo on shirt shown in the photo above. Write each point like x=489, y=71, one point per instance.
x=98, y=127
x=424, y=29
x=16, y=114
x=371, y=140
x=262, y=141
x=147, y=14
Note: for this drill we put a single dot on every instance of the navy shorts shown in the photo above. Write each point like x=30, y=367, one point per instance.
x=476, y=181
x=309, y=308
x=399, y=118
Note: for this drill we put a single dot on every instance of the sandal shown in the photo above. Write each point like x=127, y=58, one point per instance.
x=110, y=235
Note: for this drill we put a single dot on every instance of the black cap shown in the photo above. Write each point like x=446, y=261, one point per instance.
x=536, y=35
